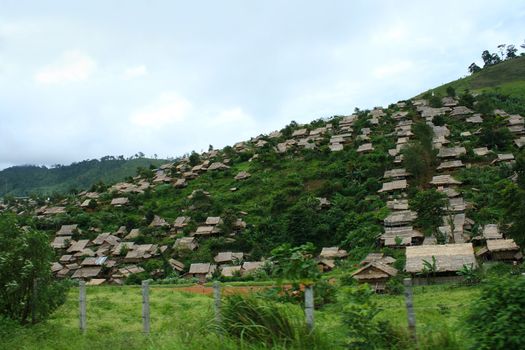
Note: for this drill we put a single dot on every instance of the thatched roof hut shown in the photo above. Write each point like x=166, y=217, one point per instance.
x=401, y=236
x=375, y=274
x=393, y=186
x=228, y=257
x=449, y=258
x=333, y=253
x=503, y=249
x=400, y=218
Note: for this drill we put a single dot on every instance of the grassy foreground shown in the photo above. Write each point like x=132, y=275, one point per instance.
x=181, y=320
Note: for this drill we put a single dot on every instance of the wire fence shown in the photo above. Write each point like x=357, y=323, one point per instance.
x=152, y=320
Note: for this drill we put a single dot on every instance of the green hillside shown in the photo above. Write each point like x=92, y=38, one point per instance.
x=431, y=188
x=29, y=179
x=506, y=78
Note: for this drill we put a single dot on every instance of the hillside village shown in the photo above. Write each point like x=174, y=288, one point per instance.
x=194, y=217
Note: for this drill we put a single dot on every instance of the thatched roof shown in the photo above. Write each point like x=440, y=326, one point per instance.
x=491, y=231
x=78, y=246
x=460, y=110
x=67, y=230
x=397, y=204
x=250, y=266
x=393, y=173
x=242, y=175
x=94, y=261
x=158, y=222
x=449, y=101
x=230, y=271
x=218, y=166
x=449, y=257
x=366, y=147
x=504, y=157
x=336, y=147
x=400, y=218
x=206, y=230
x=378, y=257
x=56, y=266
x=106, y=237
x=87, y=272
x=180, y=183
x=224, y=257
x=176, y=265
x=333, y=252
x=61, y=242
x=52, y=210
x=189, y=243
x=374, y=270
x=201, y=268
x=134, y=233
x=451, y=164
x=441, y=180
x=181, y=221
x=481, y=151
x=403, y=234
x=119, y=201
x=501, y=245
x=213, y=220
x=475, y=119
x=393, y=186
x=520, y=142
x=96, y=282
x=451, y=152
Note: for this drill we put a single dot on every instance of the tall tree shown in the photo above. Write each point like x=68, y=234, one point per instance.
x=511, y=51
x=474, y=68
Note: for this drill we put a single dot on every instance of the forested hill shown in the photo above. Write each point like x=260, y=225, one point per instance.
x=27, y=179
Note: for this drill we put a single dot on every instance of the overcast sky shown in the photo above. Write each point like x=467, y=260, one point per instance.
x=85, y=79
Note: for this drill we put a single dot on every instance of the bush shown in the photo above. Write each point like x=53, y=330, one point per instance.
x=25, y=257
x=497, y=317
x=257, y=321
x=364, y=330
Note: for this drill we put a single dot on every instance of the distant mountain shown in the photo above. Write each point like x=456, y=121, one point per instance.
x=27, y=179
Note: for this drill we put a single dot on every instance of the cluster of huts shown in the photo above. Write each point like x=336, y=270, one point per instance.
x=111, y=257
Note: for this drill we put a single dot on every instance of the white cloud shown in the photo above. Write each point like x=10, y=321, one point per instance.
x=392, y=69
x=73, y=66
x=135, y=72
x=168, y=108
x=230, y=116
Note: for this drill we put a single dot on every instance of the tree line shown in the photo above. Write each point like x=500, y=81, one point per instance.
x=506, y=52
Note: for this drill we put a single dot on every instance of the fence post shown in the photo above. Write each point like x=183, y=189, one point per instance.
x=309, y=306
x=33, y=301
x=145, y=306
x=410, y=310
x=82, y=305
x=217, y=299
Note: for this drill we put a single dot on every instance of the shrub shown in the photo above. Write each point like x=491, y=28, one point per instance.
x=25, y=257
x=497, y=317
x=257, y=321
x=364, y=330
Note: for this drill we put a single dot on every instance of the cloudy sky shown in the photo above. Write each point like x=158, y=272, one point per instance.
x=85, y=79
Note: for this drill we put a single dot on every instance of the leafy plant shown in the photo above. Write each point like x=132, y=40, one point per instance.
x=26, y=282
x=497, y=316
x=470, y=274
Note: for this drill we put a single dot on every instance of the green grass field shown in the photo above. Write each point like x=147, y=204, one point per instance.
x=507, y=78
x=181, y=320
